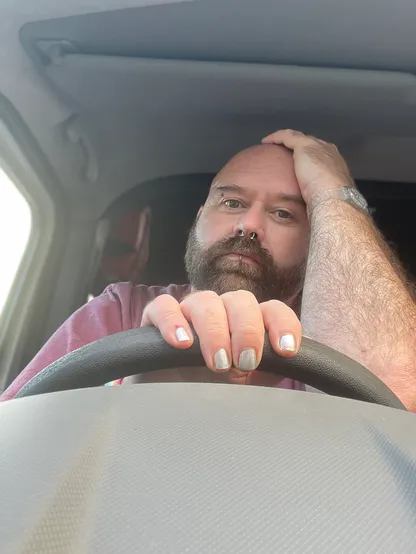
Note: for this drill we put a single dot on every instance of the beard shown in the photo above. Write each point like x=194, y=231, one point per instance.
x=211, y=269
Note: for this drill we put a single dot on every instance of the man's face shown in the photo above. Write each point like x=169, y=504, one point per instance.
x=256, y=192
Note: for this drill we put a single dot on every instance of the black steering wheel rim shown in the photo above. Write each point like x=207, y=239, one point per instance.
x=143, y=350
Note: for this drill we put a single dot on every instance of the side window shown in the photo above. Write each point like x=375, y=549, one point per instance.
x=15, y=227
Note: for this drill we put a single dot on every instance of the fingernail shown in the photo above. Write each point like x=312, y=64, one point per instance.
x=288, y=343
x=182, y=335
x=221, y=360
x=247, y=360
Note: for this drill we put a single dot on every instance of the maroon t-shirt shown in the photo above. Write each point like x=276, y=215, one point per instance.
x=119, y=308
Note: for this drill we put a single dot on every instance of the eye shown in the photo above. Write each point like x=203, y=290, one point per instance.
x=283, y=214
x=233, y=204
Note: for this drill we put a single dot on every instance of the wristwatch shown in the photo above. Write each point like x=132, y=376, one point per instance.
x=347, y=194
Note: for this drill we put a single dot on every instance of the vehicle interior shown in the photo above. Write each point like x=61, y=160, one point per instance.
x=114, y=118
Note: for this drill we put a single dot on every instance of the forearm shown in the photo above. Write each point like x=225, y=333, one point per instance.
x=356, y=298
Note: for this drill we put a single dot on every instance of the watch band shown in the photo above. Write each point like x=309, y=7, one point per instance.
x=347, y=194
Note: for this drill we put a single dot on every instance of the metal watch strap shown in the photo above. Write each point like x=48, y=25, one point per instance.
x=347, y=194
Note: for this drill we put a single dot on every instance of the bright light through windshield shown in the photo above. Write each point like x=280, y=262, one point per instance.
x=15, y=225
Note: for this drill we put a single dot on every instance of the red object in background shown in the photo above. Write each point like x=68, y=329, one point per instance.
x=127, y=249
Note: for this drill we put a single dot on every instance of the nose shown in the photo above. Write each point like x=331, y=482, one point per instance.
x=251, y=224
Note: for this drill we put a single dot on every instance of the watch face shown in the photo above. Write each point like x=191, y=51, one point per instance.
x=359, y=199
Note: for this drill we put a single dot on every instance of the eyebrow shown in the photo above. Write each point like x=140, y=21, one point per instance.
x=279, y=197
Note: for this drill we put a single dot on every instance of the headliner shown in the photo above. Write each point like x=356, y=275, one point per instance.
x=178, y=87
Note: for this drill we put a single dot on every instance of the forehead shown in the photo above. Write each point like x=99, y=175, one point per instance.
x=261, y=170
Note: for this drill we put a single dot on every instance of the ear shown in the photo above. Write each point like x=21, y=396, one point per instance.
x=199, y=212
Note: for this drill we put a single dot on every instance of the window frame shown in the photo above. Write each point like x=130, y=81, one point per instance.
x=26, y=308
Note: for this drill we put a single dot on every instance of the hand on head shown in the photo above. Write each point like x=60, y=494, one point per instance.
x=318, y=164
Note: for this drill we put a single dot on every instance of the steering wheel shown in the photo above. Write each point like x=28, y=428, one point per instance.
x=143, y=350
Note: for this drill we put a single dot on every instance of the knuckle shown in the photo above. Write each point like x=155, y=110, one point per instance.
x=158, y=304
x=276, y=306
x=212, y=318
x=240, y=296
x=168, y=315
x=215, y=323
x=201, y=296
x=162, y=300
x=214, y=332
x=250, y=331
x=208, y=295
x=276, y=309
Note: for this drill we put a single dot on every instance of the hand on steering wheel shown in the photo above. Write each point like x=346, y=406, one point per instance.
x=230, y=328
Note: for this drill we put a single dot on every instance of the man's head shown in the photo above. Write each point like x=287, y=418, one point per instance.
x=253, y=231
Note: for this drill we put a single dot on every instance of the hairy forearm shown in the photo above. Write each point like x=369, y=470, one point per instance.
x=356, y=298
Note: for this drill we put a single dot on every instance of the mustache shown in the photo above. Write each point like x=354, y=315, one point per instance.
x=242, y=246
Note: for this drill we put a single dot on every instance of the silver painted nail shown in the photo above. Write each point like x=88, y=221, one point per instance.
x=221, y=360
x=247, y=360
x=182, y=335
x=288, y=343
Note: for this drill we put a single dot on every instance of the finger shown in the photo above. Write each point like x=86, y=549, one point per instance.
x=285, y=335
x=246, y=326
x=289, y=138
x=292, y=132
x=165, y=313
x=206, y=311
x=283, y=326
x=279, y=137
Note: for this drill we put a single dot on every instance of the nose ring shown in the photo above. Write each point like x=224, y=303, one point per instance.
x=251, y=236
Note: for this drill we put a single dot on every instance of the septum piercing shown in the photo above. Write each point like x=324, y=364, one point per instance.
x=252, y=235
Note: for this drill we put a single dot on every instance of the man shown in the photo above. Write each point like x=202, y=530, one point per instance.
x=282, y=225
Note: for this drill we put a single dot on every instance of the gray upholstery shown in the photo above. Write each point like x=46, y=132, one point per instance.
x=191, y=468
